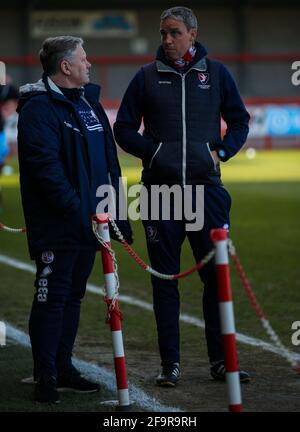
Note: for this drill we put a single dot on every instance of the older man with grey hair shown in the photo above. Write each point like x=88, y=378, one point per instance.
x=66, y=151
x=181, y=98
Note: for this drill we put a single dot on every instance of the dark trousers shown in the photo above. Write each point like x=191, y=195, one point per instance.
x=60, y=285
x=164, y=241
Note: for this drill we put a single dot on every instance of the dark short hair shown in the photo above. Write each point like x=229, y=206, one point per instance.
x=55, y=49
x=183, y=14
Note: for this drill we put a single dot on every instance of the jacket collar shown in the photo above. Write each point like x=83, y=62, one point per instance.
x=199, y=61
x=46, y=85
x=89, y=91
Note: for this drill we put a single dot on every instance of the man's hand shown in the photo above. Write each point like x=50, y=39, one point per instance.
x=215, y=156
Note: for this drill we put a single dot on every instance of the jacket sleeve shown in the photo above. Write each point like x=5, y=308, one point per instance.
x=129, y=120
x=39, y=142
x=234, y=114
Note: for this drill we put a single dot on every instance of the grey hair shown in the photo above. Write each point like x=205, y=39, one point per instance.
x=55, y=49
x=181, y=13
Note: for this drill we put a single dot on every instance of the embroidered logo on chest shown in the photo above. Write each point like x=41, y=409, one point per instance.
x=204, y=79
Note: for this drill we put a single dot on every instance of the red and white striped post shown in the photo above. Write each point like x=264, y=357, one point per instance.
x=219, y=237
x=113, y=313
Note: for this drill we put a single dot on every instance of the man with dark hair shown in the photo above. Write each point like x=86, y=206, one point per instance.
x=181, y=98
x=66, y=151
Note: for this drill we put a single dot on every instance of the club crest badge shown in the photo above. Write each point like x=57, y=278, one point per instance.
x=152, y=234
x=204, y=79
x=47, y=257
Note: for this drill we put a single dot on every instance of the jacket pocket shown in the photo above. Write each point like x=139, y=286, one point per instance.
x=210, y=153
x=165, y=165
x=154, y=155
x=200, y=160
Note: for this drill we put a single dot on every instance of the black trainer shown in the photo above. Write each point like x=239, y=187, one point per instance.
x=73, y=381
x=218, y=372
x=169, y=375
x=45, y=390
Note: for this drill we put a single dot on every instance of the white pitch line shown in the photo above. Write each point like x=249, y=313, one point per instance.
x=21, y=265
x=99, y=375
x=188, y=319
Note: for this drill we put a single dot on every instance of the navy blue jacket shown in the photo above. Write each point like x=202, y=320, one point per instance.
x=55, y=174
x=182, y=117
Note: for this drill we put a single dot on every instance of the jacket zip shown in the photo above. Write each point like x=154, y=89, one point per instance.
x=183, y=131
x=183, y=128
x=183, y=123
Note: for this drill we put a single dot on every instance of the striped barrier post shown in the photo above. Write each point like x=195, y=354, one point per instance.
x=114, y=316
x=219, y=237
